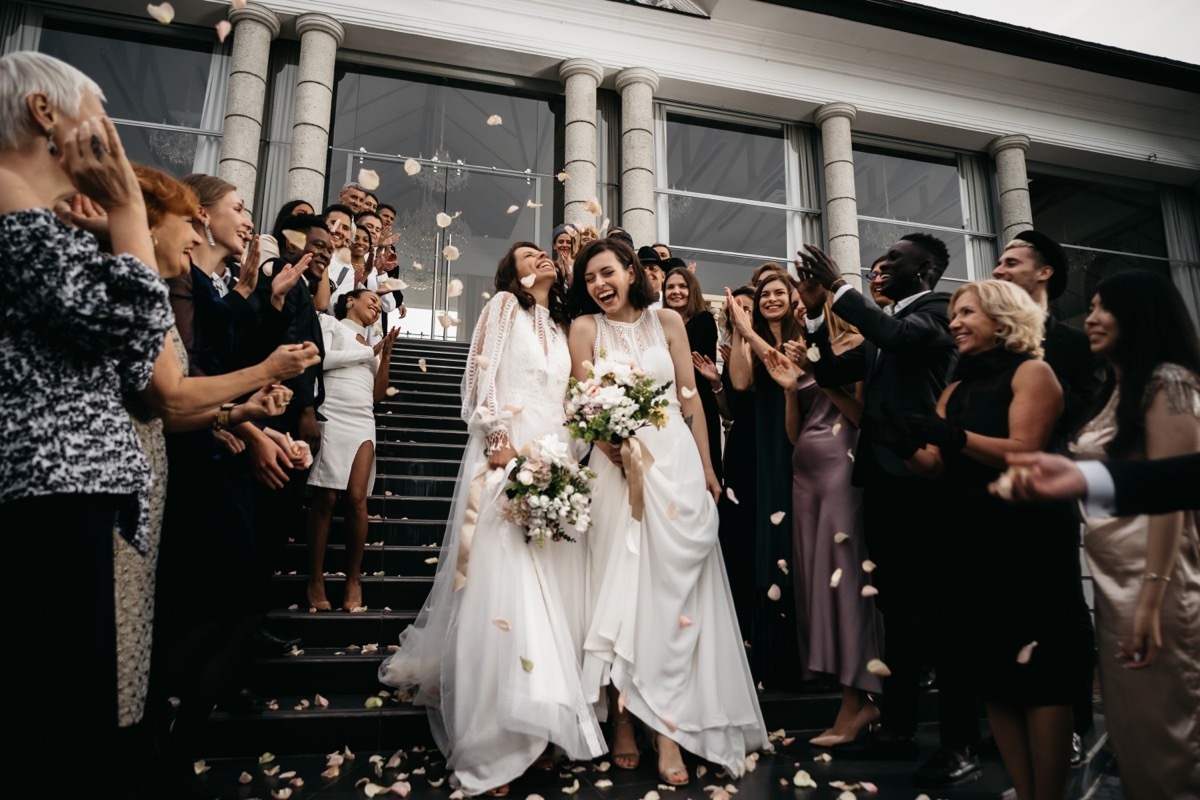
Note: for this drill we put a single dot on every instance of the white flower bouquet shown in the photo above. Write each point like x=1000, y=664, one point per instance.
x=548, y=492
x=613, y=402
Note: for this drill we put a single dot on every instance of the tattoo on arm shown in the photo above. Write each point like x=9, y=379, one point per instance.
x=688, y=420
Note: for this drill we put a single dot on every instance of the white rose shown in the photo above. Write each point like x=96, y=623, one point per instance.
x=525, y=477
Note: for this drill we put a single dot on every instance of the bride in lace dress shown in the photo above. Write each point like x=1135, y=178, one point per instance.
x=498, y=694
x=662, y=631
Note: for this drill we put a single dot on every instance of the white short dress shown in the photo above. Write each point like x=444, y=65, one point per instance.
x=349, y=405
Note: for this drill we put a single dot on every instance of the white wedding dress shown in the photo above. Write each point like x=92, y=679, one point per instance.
x=491, y=717
x=692, y=682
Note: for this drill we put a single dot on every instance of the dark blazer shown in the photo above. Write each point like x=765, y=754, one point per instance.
x=303, y=326
x=1158, y=486
x=1078, y=371
x=904, y=361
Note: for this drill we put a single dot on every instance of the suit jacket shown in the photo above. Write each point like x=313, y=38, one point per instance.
x=1157, y=486
x=303, y=326
x=1078, y=371
x=904, y=361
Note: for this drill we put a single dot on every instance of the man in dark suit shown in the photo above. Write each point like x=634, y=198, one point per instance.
x=904, y=362
x=1109, y=488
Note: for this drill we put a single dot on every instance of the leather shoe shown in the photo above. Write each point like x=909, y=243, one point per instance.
x=265, y=644
x=1076, y=750
x=872, y=748
x=947, y=768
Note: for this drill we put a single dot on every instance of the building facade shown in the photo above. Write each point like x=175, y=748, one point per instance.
x=733, y=130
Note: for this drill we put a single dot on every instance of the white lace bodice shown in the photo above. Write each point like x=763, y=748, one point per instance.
x=643, y=343
x=516, y=378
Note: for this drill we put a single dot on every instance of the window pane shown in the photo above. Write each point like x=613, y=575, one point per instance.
x=1088, y=268
x=718, y=225
x=144, y=78
x=1098, y=215
x=908, y=188
x=874, y=239
x=715, y=272
x=726, y=159
x=175, y=152
x=428, y=118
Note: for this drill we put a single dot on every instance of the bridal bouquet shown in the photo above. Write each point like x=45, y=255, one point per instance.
x=614, y=401
x=548, y=492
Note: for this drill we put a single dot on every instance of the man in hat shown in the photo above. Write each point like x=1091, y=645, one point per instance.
x=652, y=263
x=1038, y=264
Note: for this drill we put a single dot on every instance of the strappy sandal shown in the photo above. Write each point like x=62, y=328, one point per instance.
x=633, y=759
x=670, y=776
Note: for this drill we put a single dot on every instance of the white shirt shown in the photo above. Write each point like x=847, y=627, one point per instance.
x=1101, y=497
x=813, y=325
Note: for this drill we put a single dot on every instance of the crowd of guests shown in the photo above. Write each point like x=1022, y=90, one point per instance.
x=170, y=404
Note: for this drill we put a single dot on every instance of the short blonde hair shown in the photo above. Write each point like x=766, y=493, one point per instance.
x=1021, y=322
x=24, y=73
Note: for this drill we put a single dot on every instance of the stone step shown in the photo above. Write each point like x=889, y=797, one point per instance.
x=418, y=532
x=386, y=435
x=388, y=411
x=404, y=507
x=415, y=485
x=440, y=420
x=402, y=593
x=395, y=560
x=432, y=467
x=390, y=451
x=338, y=629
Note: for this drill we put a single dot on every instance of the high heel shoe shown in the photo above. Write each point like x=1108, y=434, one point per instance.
x=860, y=729
x=671, y=775
x=632, y=759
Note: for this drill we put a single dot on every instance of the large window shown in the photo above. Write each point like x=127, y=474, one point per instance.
x=944, y=194
x=165, y=93
x=734, y=192
x=470, y=169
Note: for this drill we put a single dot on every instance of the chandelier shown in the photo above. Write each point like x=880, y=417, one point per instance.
x=173, y=147
x=418, y=243
x=442, y=173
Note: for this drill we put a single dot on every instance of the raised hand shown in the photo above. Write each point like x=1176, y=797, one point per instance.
x=725, y=350
x=248, y=278
x=96, y=163
x=737, y=315
x=797, y=353
x=287, y=278
x=814, y=263
x=290, y=360
x=705, y=366
x=781, y=369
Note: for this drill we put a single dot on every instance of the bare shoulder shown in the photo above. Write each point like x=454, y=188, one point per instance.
x=669, y=319
x=582, y=328
x=1035, y=375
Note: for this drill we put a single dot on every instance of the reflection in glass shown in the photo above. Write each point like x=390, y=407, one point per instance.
x=728, y=226
x=1090, y=214
x=724, y=158
x=171, y=151
x=716, y=271
x=874, y=239
x=909, y=187
x=1088, y=268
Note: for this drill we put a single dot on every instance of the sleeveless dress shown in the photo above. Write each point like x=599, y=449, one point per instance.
x=349, y=406
x=491, y=717
x=1153, y=714
x=688, y=682
x=838, y=629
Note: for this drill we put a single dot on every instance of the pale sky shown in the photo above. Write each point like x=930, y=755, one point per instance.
x=1167, y=28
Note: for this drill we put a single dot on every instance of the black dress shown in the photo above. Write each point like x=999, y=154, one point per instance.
x=736, y=532
x=702, y=338
x=1010, y=572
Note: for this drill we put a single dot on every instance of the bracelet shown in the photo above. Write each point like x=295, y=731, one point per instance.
x=717, y=387
x=220, y=420
x=839, y=283
x=1154, y=576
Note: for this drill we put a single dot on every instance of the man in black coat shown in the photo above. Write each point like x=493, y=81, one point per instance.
x=904, y=362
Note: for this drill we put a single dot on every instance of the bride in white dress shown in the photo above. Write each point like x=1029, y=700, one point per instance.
x=495, y=653
x=662, y=631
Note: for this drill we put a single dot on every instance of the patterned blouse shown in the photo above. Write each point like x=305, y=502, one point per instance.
x=77, y=327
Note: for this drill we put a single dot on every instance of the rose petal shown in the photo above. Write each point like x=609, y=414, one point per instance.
x=296, y=239
x=526, y=664
x=454, y=288
x=391, y=391
x=486, y=296
x=774, y=593
x=593, y=207
x=444, y=219
x=803, y=780
x=732, y=497
x=876, y=667
x=603, y=783
x=266, y=758
x=1026, y=653
x=447, y=321
x=513, y=209
x=418, y=265
x=777, y=517
x=835, y=578
x=868, y=566
x=837, y=426
x=200, y=767
x=813, y=355
x=824, y=758
x=783, y=565
x=369, y=179
x=373, y=702
x=529, y=280
x=562, y=176
x=840, y=537
x=421, y=365
x=223, y=29
x=450, y=252
x=494, y=119
x=531, y=204
x=483, y=362
x=281, y=794
x=332, y=772
x=869, y=591
x=245, y=778
x=621, y=702
x=321, y=701
x=433, y=560
x=502, y=624
x=685, y=622
x=163, y=12
x=573, y=788
x=411, y=167
x=688, y=393
x=850, y=454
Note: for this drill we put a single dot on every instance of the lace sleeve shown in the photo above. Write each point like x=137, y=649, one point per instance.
x=480, y=407
x=1180, y=386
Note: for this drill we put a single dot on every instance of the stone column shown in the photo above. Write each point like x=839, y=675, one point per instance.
x=320, y=36
x=841, y=205
x=581, y=76
x=637, y=86
x=254, y=27
x=1016, y=214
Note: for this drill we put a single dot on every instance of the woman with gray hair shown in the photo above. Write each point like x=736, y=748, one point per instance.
x=77, y=327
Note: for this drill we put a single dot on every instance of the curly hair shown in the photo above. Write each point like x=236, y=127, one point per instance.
x=164, y=195
x=508, y=280
x=935, y=248
x=1020, y=322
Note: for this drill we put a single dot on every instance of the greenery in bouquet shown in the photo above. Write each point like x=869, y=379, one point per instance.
x=548, y=492
x=613, y=402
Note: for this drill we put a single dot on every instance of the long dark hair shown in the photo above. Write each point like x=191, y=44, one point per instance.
x=696, y=303
x=339, y=308
x=1153, y=328
x=289, y=209
x=789, y=329
x=580, y=302
x=507, y=280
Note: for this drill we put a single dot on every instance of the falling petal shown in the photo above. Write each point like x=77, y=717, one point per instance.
x=840, y=537
x=869, y=591
x=163, y=12
x=200, y=767
x=670, y=722
x=333, y=771
x=526, y=664
x=297, y=239
x=450, y=252
x=685, y=622
x=531, y=204
x=438, y=783
x=418, y=265
x=281, y=794
x=835, y=578
x=867, y=786
x=813, y=355
x=266, y=758
x=621, y=702
x=513, y=209
x=268, y=268
x=486, y=296
x=421, y=365
x=447, y=321
x=732, y=497
x=320, y=701
x=593, y=207
x=850, y=454
x=245, y=778
x=529, y=280
x=391, y=391
x=223, y=30
x=672, y=511
x=730, y=789
x=783, y=565
x=868, y=566
x=604, y=227
x=774, y=593
x=432, y=560
x=1026, y=653
x=573, y=788
x=502, y=624
x=777, y=517
x=837, y=426
x=603, y=783
x=823, y=758
x=846, y=796
x=494, y=119
x=444, y=219
x=750, y=763
x=411, y=167
x=803, y=780
x=876, y=667
x=562, y=176
x=454, y=288
x=483, y=362
x=687, y=392
x=369, y=179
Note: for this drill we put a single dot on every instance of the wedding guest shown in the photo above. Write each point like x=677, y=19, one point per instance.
x=623, y=235
x=585, y=235
x=371, y=202
x=652, y=266
x=763, y=269
x=562, y=246
x=663, y=635
x=682, y=294
x=268, y=248
x=772, y=633
x=339, y=220
x=874, y=281
x=663, y=251
x=1146, y=569
x=80, y=324
x=491, y=717
x=353, y=196
x=387, y=214
x=904, y=362
x=1027, y=651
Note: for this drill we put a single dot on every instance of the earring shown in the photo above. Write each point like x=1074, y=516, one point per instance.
x=208, y=234
x=51, y=146
x=154, y=240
